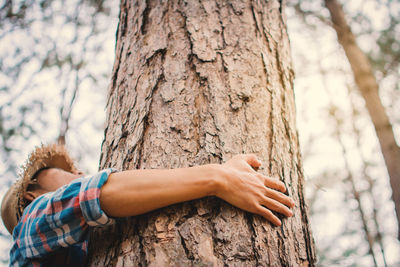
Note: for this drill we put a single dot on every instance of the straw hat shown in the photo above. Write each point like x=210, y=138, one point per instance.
x=14, y=203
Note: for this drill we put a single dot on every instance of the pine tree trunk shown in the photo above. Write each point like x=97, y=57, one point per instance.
x=368, y=86
x=197, y=82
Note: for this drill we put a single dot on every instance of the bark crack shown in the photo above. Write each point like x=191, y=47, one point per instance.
x=265, y=72
x=145, y=16
x=305, y=228
x=115, y=73
x=257, y=28
x=142, y=254
x=250, y=222
x=281, y=70
x=200, y=99
x=281, y=248
x=266, y=33
x=124, y=17
x=236, y=12
x=188, y=253
x=192, y=211
x=149, y=100
x=271, y=137
x=216, y=241
x=224, y=45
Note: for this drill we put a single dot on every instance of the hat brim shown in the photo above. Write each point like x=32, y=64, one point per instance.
x=14, y=203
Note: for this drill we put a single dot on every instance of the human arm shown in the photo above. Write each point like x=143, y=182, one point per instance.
x=134, y=192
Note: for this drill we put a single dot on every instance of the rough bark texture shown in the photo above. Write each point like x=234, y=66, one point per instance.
x=197, y=82
x=368, y=86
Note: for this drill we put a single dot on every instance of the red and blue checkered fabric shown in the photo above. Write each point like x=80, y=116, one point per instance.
x=53, y=229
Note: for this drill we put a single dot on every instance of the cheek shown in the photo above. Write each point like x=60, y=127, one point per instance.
x=73, y=178
x=61, y=182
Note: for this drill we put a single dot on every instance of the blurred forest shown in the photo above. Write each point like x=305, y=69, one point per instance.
x=55, y=65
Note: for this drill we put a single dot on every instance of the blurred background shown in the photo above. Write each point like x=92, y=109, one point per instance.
x=55, y=64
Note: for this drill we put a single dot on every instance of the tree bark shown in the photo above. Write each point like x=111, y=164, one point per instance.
x=369, y=88
x=197, y=82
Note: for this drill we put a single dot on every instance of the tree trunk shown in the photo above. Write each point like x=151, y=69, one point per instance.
x=368, y=86
x=197, y=82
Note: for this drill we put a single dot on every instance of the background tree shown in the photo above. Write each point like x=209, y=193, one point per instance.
x=318, y=56
x=194, y=83
x=369, y=88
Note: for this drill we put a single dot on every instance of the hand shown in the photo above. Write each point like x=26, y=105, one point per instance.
x=249, y=190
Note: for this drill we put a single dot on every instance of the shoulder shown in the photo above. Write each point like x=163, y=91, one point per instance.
x=41, y=205
x=96, y=180
x=55, y=218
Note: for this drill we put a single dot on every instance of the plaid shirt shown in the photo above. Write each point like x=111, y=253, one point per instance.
x=53, y=229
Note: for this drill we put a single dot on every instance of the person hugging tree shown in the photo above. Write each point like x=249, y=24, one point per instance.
x=50, y=208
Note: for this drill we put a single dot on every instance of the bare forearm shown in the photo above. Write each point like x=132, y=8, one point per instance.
x=135, y=192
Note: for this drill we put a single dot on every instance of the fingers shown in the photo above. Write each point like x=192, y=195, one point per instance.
x=278, y=196
x=273, y=183
x=276, y=206
x=252, y=160
x=267, y=214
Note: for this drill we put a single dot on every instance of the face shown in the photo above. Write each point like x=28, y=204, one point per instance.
x=53, y=178
x=50, y=180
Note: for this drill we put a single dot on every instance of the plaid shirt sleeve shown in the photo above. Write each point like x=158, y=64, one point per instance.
x=61, y=218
